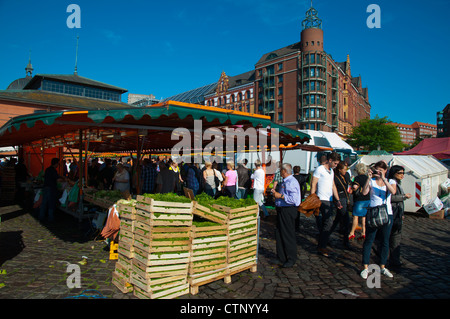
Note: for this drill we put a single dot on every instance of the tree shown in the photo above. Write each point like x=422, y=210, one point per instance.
x=374, y=134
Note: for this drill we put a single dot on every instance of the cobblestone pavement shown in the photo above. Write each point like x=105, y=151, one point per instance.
x=34, y=257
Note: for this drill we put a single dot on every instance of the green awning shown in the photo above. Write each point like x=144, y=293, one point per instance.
x=157, y=121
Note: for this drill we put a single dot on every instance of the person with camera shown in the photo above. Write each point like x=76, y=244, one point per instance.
x=380, y=190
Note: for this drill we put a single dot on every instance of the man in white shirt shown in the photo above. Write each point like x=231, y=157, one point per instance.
x=323, y=186
x=259, y=177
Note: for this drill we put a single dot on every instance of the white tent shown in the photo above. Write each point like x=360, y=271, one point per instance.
x=423, y=175
x=308, y=161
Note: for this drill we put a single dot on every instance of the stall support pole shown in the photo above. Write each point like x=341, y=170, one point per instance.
x=80, y=178
x=138, y=166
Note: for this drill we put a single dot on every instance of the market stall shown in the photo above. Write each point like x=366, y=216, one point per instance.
x=164, y=237
x=136, y=130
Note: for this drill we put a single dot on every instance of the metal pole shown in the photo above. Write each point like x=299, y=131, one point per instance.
x=80, y=178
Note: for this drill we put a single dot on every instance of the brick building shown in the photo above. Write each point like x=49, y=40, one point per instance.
x=409, y=133
x=299, y=86
x=302, y=87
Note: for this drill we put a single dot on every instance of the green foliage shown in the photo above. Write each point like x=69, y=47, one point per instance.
x=375, y=133
x=168, y=197
x=208, y=201
x=111, y=195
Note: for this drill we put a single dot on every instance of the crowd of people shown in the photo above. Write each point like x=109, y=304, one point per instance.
x=340, y=194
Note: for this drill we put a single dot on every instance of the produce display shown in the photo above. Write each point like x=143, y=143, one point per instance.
x=169, y=244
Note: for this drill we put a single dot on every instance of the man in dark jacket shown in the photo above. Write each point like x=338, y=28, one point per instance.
x=50, y=191
x=244, y=181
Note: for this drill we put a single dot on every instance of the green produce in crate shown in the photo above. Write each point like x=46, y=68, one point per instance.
x=168, y=197
x=208, y=201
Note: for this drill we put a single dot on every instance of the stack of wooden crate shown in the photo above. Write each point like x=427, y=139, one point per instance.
x=125, y=251
x=163, y=253
x=208, y=262
x=161, y=248
x=242, y=227
x=238, y=227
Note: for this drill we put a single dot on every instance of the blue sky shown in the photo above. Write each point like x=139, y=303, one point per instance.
x=168, y=47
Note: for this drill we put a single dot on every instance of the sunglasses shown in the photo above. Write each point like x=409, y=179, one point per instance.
x=401, y=173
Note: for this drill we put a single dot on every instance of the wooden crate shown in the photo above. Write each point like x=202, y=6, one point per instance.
x=127, y=225
x=237, y=212
x=166, y=258
x=126, y=249
x=163, y=219
x=242, y=265
x=126, y=211
x=159, y=271
x=152, y=285
x=153, y=206
x=197, y=280
x=162, y=294
x=121, y=283
x=208, y=214
x=126, y=237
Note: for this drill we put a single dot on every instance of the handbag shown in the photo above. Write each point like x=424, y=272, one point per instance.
x=311, y=205
x=377, y=216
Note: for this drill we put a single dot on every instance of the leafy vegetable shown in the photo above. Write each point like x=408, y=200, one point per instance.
x=168, y=197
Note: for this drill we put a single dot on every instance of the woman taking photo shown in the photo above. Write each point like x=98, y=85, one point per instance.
x=380, y=190
x=360, y=201
x=397, y=173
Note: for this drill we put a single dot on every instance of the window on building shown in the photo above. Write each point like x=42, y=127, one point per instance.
x=280, y=103
x=280, y=66
x=313, y=113
x=312, y=57
x=280, y=78
x=280, y=91
x=280, y=116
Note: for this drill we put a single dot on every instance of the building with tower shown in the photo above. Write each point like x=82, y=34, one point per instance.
x=299, y=86
x=302, y=87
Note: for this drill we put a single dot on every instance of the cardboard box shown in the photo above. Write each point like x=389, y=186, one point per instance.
x=438, y=215
x=434, y=206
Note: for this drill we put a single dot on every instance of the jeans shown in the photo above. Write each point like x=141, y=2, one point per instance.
x=230, y=191
x=209, y=190
x=48, y=204
x=325, y=223
x=371, y=233
x=241, y=193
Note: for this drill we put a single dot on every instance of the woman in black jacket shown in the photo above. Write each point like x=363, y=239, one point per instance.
x=342, y=181
x=397, y=173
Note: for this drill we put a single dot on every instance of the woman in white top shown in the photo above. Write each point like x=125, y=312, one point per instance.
x=380, y=190
x=259, y=177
